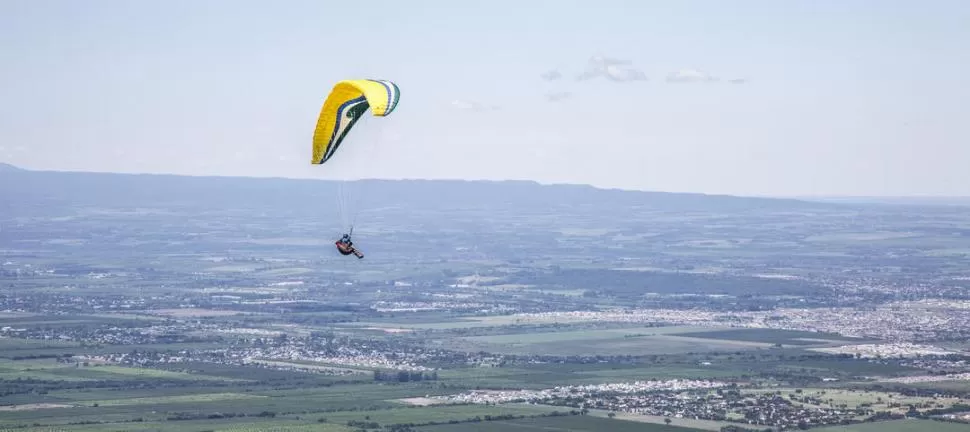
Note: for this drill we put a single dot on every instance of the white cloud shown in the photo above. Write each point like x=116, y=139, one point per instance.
x=615, y=70
x=551, y=75
x=557, y=96
x=690, y=76
x=738, y=80
x=606, y=61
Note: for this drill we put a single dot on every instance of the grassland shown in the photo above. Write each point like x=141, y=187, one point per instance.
x=900, y=426
x=878, y=401
x=952, y=385
x=546, y=424
x=296, y=409
x=65, y=408
x=179, y=399
x=708, y=425
x=10, y=346
x=245, y=425
x=559, y=424
x=194, y=312
x=49, y=369
x=439, y=413
x=625, y=341
x=430, y=325
x=544, y=376
x=773, y=336
x=582, y=335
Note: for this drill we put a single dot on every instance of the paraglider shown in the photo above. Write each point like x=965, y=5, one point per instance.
x=346, y=104
x=346, y=247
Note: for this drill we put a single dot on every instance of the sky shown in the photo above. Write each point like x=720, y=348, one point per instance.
x=744, y=97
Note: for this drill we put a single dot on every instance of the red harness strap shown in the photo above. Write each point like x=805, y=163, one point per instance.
x=343, y=248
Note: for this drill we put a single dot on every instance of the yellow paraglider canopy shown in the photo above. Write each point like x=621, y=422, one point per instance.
x=346, y=103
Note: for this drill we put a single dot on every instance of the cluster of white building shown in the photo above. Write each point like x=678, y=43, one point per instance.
x=930, y=378
x=277, y=357
x=400, y=306
x=505, y=396
x=886, y=350
x=344, y=356
x=899, y=322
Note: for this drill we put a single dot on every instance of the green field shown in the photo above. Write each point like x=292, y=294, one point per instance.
x=191, y=398
x=27, y=348
x=956, y=385
x=772, y=336
x=641, y=341
x=243, y=425
x=582, y=335
x=441, y=414
x=433, y=325
x=709, y=425
x=543, y=376
x=558, y=424
x=633, y=341
x=156, y=373
x=10, y=347
x=248, y=373
x=49, y=369
x=537, y=424
x=878, y=401
x=900, y=426
x=152, y=406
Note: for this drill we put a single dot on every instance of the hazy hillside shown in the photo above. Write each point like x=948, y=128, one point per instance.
x=912, y=201
x=8, y=168
x=29, y=188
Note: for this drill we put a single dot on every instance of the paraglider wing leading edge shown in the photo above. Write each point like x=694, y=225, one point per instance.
x=347, y=102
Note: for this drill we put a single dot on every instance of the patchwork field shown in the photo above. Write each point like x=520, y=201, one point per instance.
x=543, y=377
x=772, y=336
x=879, y=401
x=638, y=341
x=900, y=426
x=708, y=425
x=559, y=424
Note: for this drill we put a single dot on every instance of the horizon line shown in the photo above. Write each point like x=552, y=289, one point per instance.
x=799, y=197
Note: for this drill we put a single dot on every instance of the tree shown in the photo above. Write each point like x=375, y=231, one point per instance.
x=667, y=420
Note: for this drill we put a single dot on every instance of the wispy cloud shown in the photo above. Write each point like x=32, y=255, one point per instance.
x=551, y=75
x=616, y=70
x=690, y=76
x=557, y=96
x=601, y=60
x=738, y=80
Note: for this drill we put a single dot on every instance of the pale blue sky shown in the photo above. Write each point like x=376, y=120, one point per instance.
x=841, y=97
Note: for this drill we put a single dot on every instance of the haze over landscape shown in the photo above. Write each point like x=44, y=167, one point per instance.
x=619, y=216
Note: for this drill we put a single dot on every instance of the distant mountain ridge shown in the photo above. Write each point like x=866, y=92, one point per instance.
x=5, y=167
x=131, y=189
x=894, y=200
